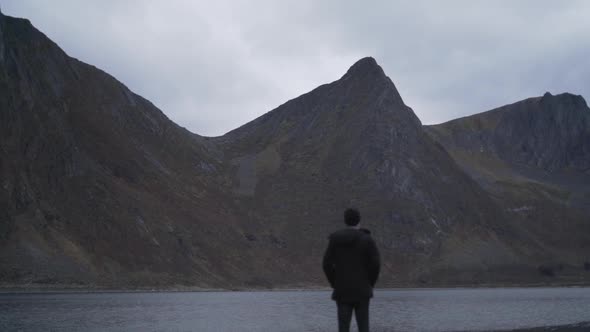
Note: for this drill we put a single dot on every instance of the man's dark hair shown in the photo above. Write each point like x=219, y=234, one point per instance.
x=352, y=217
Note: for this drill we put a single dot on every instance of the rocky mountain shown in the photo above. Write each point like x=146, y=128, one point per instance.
x=100, y=188
x=533, y=158
x=549, y=133
x=355, y=142
x=98, y=185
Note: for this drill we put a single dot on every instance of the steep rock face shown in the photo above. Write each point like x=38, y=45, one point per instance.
x=549, y=132
x=552, y=133
x=533, y=156
x=97, y=184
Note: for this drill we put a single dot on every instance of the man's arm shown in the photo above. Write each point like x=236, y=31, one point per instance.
x=328, y=264
x=374, y=262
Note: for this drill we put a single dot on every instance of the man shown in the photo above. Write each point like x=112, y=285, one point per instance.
x=351, y=264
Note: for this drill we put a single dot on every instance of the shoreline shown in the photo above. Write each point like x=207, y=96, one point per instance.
x=574, y=327
x=82, y=289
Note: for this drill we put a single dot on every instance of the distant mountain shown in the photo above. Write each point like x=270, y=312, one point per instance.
x=533, y=157
x=550, y=133
x=100, y=188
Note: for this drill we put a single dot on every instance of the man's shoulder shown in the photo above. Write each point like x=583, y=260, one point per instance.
x=340, y=232
x=351, y=234
x=366, y=237
x=365, y=231
x=346, y=237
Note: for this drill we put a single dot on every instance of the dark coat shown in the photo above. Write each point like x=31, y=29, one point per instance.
x=351, y=264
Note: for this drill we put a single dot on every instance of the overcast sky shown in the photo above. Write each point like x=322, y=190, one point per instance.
x=212, y=66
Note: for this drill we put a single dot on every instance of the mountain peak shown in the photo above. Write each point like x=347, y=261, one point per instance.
x=365, y=62
x=566, y=98
x=365, y=67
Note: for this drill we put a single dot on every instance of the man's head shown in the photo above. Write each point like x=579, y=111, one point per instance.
x=352, y=217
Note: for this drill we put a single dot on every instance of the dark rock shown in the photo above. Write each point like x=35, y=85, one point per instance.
x=533, y=157
x=546, y=271
x=549, y=132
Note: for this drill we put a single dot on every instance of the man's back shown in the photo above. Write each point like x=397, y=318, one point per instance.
x=351, y=264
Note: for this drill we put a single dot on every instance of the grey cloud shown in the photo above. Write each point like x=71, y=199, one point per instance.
x=212, y=66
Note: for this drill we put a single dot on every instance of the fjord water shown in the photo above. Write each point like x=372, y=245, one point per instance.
x=392, y=310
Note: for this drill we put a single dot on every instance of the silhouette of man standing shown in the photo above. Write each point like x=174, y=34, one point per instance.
x=351, y=264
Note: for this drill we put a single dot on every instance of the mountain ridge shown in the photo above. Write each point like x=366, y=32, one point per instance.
x=532, y=156
x=101, y=188
x=555, y=126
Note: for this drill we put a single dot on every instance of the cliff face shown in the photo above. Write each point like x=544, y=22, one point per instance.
x=99, y=187
x=533, y=158
x=97, y=184
x=550, y=133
